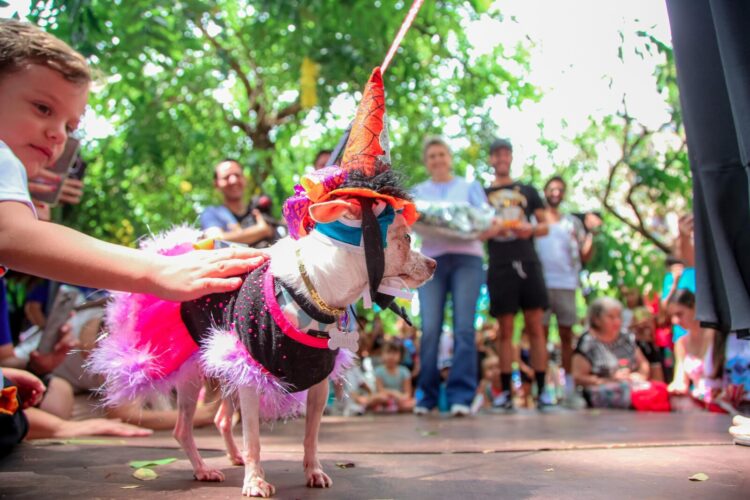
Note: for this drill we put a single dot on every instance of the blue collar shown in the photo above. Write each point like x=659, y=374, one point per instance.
x=352, y=234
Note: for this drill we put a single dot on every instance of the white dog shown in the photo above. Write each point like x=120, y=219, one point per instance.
x=266, y=343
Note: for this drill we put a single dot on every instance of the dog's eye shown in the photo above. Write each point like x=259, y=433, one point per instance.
x=407, y=237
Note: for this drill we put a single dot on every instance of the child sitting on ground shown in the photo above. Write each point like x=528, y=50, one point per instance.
x=490, y=386
x=44, y=87
x=393, y=382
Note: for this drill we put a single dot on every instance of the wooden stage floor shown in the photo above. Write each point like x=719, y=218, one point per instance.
x=566, y=454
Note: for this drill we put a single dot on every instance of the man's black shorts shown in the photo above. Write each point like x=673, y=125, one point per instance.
x=516, y=285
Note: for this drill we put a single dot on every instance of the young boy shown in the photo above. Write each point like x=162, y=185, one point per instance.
x=44, y=87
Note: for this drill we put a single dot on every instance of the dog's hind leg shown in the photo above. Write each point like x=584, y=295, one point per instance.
x=223, y=420
x=317, y=396
x=187, y=398
x=254, y=484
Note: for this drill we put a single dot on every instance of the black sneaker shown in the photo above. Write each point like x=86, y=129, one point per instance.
x=503, y=402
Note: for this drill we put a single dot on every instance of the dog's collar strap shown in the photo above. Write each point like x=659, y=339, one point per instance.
x=305, y=305
x=316, y=298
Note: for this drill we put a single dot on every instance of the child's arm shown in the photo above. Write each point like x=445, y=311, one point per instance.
x=62, y=254
x=31, y=389
x=406, y=386
x=379, y=387
x=680, y=381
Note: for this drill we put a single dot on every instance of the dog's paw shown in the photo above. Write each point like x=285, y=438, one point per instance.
x=316, y=478
x=236, y=458
x=213, y=475
x=258, y=487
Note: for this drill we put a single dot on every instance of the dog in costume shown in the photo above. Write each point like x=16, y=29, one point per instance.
x=274, y=343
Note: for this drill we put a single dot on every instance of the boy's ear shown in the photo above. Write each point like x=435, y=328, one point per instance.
x=329, y=211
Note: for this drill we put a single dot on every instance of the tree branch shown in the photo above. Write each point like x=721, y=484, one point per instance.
x=233, y=62
x=628, y=146
x=287, y=113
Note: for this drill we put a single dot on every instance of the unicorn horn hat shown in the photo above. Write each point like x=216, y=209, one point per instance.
x=364, y=170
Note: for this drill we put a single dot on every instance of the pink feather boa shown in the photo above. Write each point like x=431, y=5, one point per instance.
x=148, y=349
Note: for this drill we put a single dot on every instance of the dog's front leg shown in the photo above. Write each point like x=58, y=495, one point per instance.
x=317, y=396
x=187, y=398
x=223, y=421
x=255, y=484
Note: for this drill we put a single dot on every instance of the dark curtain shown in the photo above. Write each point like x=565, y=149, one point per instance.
x=711, y=40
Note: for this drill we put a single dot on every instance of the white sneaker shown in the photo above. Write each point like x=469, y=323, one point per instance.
x=460, y=410
x=421, y=410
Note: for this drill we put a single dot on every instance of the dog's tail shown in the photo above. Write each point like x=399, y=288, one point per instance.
x=147, y=342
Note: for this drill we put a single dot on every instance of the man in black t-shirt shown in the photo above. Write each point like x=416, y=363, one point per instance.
x=515, y=280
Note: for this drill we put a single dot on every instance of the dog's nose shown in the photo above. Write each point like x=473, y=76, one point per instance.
x=432, y=264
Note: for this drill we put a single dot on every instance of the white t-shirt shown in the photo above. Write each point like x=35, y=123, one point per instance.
x=14, y=184
x=560, y=253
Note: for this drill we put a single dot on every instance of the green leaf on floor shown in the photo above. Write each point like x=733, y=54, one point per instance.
x=145, y=474
x=698, y=477
x=345, y=465
x=428, y=433
x=138, y=464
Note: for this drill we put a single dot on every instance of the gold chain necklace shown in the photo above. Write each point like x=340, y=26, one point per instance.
x=333, y=311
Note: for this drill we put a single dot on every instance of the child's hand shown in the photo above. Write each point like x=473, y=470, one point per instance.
x=192, y=275
x=45, y=181
x=72, y=191
x=45, y=363
x=30, y=388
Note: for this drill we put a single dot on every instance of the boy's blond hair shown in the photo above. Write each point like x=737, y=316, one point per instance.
x=22, y=44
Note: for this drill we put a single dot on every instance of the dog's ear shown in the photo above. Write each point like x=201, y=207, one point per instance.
x=329, y=211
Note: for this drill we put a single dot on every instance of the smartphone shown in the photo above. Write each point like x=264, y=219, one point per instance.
x=62, y=168
x=78, y=168
x=65, y=302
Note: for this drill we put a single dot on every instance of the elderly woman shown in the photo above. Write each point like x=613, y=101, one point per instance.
x=607, y=361
x=459, y=273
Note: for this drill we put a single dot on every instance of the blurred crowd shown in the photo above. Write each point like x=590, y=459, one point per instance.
x=530, y=346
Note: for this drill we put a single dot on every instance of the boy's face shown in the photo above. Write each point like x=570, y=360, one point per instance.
x=38, y=109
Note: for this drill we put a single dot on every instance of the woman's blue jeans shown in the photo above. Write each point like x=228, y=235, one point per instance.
x=462, y=276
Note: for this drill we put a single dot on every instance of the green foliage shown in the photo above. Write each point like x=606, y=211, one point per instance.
x=188, y=83
x=648, y=179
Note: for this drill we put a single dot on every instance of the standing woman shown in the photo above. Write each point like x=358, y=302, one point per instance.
x=459, y=273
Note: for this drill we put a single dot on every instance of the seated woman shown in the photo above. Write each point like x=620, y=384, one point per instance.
x=607, y=362
x=695, y=373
